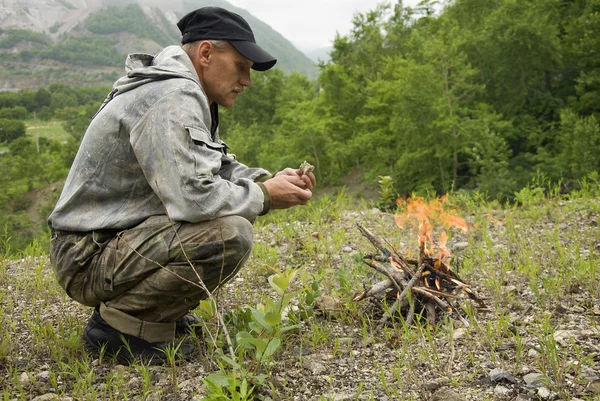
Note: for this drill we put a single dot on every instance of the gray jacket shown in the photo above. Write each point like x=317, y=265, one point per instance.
x=153, y=146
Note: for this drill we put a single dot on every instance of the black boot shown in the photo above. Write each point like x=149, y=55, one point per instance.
x=127, y=348
x=188, y=323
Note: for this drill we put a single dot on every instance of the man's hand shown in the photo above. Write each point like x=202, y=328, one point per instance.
x=287, y=190
x=309, y=179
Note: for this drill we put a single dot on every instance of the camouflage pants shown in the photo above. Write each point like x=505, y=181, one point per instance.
x=146, y=277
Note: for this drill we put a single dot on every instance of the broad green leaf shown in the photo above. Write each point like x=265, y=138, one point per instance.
x=291, y=274
x=255, y=327
x=259, y=317
x=218, y=379
x=259, y=343
x=244, y=388
x=273, y=318
x=272, y=347
x=288, y=328
x=231, y=362
x=279, y=283
x=289, y=296
x=241, y=339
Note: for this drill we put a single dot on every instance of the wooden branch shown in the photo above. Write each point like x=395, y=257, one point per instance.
x=462, y=319
x=411, y=283
x=394, y=277
x=439, y=293
x=398, y=305
x=376, y=243
x=443, y=304
x=430, y=308
x=411, y=313
x=374, y=290
x=399, y=259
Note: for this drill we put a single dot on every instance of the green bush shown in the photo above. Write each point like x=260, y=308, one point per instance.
x=11, y=129
x=14, y=113
x=14, y=36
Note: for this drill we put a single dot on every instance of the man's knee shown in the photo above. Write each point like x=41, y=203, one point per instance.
x=238, y=234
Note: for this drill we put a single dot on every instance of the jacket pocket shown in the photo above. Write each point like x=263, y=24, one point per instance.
x=201, y=137
x=208, y=154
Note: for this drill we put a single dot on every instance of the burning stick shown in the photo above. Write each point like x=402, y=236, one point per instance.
x=432, y=282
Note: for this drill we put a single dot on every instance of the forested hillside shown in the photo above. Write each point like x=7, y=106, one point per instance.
x=490, y=97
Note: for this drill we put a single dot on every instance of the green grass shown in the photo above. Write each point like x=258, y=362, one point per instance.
x=50, y=129
x=535, y=264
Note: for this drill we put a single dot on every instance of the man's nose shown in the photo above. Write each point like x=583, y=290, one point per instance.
x=245, y=80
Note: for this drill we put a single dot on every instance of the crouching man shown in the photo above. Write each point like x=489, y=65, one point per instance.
x=153, y=201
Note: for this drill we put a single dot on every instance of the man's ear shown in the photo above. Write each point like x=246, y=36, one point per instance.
x=203, y=53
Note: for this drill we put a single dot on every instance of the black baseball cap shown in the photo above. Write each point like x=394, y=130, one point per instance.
x=216, y=23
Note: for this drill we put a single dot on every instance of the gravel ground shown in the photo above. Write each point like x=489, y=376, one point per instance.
x=537, y=269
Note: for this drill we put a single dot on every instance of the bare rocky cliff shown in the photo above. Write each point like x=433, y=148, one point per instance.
x=51, y=17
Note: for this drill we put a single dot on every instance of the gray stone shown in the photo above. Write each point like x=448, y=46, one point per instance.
x=534, y=379
x=501, y=390
x=445, y=394
x=43, y=376
x=344, y=396
x=46, y=397
x=459, y=333
x=545, y=394
x=24, y=379
x=594, y=387
x=325, y=303
x=497, y=375
x=347, y=249
x=432, y=385
x=314, y=367
x=134, y=383
x=279, y=382
x=459, y=246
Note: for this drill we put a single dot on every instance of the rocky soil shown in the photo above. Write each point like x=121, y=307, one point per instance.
x=536, y=267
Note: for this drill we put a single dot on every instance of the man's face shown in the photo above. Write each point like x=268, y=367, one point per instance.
x=227, y=75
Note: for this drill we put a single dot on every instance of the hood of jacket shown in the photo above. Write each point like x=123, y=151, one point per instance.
x=171, y=62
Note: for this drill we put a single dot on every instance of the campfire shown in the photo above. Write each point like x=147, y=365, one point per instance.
x=433, y=287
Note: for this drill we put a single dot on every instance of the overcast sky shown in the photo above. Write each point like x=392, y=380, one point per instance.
x=309, y=24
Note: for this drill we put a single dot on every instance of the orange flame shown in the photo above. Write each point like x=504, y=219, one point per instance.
x=425, y=216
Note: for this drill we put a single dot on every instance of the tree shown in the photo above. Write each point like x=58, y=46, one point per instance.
x=11, y=129
x=13, y=113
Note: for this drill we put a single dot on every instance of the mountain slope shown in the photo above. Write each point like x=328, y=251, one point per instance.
x=84, y=42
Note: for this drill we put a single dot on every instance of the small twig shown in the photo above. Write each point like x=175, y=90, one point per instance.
x=423, y=291
x=462, y=319
x=450, y=358
x=421, y=254
x=376, y=243
x=393, y=276
x=399, y=259
x=403, y=295
x=412, y=282
x=439, y=293
x=431, y=315
x=200, y=280
x=120, y=236
x=411, y=313
x=374, y=289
